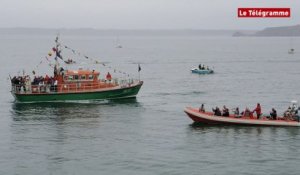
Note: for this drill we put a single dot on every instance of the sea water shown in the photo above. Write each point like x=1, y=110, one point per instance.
x=151, y=134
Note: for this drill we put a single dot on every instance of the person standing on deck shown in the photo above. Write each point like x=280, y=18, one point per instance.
x=257, y=110
x=55, y=84
x=202, y=109
x=108, y=77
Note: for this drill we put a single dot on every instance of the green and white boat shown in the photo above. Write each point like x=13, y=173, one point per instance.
x=72, y=85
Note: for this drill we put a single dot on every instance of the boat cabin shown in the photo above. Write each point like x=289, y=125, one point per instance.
x=70, y=76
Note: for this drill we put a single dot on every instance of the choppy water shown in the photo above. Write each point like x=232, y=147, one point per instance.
x=151, y=134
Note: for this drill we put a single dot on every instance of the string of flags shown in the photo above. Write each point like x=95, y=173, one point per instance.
x=57, y=52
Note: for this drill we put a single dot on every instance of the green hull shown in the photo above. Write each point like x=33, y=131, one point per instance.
x=98, y=95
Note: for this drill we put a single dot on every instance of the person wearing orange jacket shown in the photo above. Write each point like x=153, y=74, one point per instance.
x=257, y=110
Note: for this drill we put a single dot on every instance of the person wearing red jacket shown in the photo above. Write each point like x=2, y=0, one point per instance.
x=257, y=110
x=108, y=77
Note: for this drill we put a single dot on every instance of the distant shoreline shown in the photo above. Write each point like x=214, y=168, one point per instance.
x=118, y=32
x=282, y=31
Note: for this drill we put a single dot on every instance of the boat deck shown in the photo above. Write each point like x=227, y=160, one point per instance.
x=78, y=87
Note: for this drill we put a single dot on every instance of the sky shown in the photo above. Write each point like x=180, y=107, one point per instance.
x=141, y=14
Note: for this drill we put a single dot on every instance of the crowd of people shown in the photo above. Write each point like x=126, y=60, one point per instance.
x=21, y=82
x=24, y=83
x=292, y=113
x=43, y=80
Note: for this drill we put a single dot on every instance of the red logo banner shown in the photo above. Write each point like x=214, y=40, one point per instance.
x=264, y=12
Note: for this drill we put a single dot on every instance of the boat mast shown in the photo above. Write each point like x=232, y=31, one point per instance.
x=57, y=54
x=57, y=51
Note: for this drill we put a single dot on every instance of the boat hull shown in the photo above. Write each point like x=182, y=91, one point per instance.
x=116, y=93
x=198, y=71
x=209, y=119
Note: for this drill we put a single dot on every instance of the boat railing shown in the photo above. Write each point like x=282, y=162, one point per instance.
x=70, y=87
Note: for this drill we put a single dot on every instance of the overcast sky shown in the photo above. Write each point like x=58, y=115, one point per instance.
x=140, y=14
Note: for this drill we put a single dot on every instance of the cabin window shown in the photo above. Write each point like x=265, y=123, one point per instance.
x=76, y=77
x=82, y=77
x=91, y=77
x=70, y=77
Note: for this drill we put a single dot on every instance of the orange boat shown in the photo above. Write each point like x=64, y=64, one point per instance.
x=211, y=119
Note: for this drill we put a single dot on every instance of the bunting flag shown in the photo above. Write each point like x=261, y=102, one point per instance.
x=57, y=51
x=58, y=55
x=70, y=61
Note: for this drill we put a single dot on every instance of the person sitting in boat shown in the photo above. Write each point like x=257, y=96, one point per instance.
x=287, y=115
x=298, y=114
x=290, y=114
x=257, y=110
x=247, y=113
x=225, y=111
x=217, y=111
x=294, y=108
x=201, y=109
x=295, y=115
x=199, y=67
x=236, y=111
x=273, y=114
